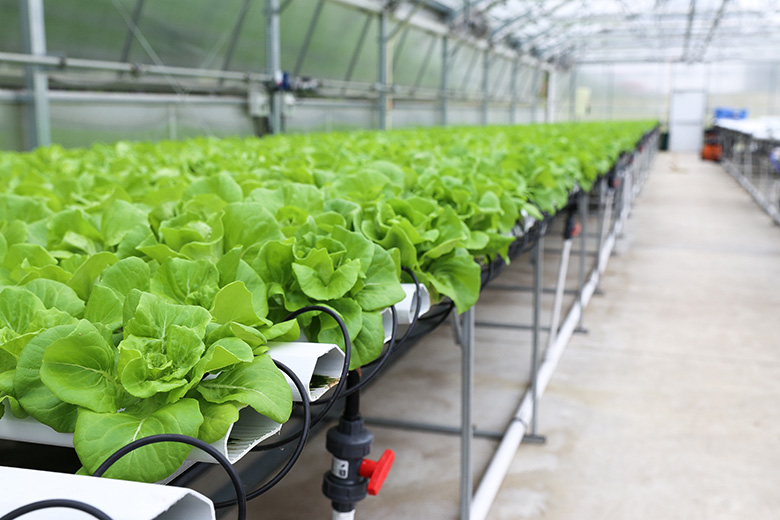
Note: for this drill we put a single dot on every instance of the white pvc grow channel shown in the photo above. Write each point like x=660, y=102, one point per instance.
x=119, y=499
x=306, y=360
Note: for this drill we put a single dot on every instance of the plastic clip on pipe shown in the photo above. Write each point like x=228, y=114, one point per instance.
x=351, y=477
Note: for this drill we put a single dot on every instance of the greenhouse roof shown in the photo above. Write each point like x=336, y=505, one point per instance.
x=622, y=30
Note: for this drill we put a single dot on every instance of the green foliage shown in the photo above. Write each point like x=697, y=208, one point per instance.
x=140, y=283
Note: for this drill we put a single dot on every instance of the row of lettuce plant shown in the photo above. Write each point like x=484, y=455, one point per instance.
x=140, y=283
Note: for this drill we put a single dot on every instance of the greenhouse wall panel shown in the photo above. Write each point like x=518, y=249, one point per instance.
x=408, y=114
x=316, y=116
x=12, y=127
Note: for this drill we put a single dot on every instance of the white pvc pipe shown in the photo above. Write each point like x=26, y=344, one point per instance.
x=499, y=466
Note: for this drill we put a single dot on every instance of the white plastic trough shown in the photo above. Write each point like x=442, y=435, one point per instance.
x=119, y=499
x=406, y=308
x=306, y=360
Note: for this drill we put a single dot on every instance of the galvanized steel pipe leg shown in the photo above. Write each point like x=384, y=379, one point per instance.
x=538, y=259
x=559, y=287
x=467, y=433
x=583, y=250
x=36, y=79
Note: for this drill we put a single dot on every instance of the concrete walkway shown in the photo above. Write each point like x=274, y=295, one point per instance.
x=668, y=408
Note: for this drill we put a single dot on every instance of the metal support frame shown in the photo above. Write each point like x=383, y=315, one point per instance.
x=549, y=114
x=63, y=62
x=130, y=37
x=513, y=92
x=741, y=169
x=274, y=63
x=523, y=426
x=605, y=223
x=536, y=338
x=559, y=290
x=358, y=47
x=237, y=26
x=535, y=93
x=469, y=70
x=485, y=85
x=382, y=99
x=583, y=203
x=33, y=31
x=315, y=18
x=445, y=78
x=524, y=421
x=424, y=65
x=500, y=77
x=573, y=95
x=466, y=417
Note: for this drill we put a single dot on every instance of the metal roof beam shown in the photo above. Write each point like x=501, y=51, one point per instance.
x=713, y=28
x=139, y=7
x=691, y=16
x=510, y=23
x=237, y=25
x=542, y=15
x=307, y=39
x=404, y=24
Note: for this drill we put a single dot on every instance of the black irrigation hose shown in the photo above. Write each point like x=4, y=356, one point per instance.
x=183, y=439
x=56, y=502
x=393, y=346
x=298, y=448
x=377, y=364
x=339, y=386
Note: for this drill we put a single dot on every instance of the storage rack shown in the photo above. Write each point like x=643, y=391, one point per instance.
x=747, y=158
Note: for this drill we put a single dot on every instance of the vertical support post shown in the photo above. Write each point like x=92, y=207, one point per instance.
x=611, y=94
x=538, y=265
x=33, y=30
x=583, y=251
x=485, y=85
x=605, y=226
x=513, y=92
x=549, y=115
x=560, y=286
x=773, y=89
x=274, y=62
x=535, y=93
x=467, y=431
x=573, y=95
x=382, y=97
x=445, y=77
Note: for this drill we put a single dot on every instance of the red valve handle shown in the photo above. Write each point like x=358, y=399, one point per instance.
x=376, y=471
x=577, y=229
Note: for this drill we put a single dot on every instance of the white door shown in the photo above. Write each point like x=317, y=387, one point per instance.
x=686, y=120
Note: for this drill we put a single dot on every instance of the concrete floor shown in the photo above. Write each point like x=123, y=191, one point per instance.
x=667, y=408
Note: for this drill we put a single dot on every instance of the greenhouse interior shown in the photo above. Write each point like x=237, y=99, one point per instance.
x=389, y=259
